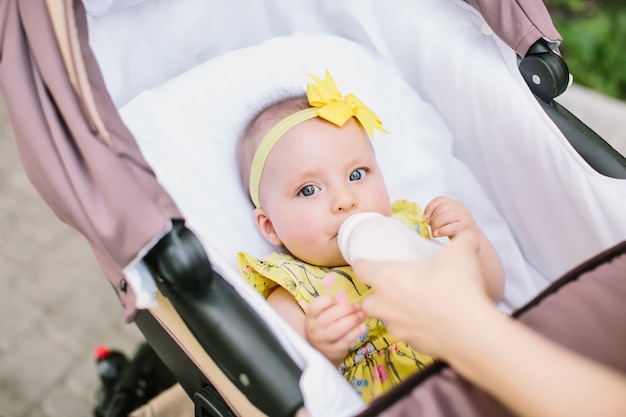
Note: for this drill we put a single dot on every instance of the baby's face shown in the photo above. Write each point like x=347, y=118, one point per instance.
x=316, y=176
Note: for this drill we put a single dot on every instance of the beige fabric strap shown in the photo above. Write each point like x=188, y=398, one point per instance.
x=62, y=18
x=167, y=316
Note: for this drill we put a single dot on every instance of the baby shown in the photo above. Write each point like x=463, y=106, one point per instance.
x=309, y=164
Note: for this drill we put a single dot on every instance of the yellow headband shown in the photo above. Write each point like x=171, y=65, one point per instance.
x=329, y=104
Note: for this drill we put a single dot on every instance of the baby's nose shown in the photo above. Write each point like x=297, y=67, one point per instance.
x=345, y=200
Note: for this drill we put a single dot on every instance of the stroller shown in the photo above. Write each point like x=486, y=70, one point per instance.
x=125, y=114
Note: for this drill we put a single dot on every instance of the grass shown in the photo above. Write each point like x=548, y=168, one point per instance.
x=594, y=42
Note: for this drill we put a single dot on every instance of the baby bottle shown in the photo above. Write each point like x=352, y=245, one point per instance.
x=373, y=236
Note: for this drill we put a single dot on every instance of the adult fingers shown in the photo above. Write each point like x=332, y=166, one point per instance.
x=380, y=277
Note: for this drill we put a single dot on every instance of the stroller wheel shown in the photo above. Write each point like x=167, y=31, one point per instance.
x=545, y=72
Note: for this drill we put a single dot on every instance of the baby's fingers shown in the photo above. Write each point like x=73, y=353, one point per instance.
x=320, y=304
x=447, y=229
x=354, y=336
x=347, y=330
x=336, y=319
x=434, y=204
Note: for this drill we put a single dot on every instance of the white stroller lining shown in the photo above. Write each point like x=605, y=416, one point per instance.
x=193, y=122
x=187, y=130
x=446, y=52
x=466, y=127
x=559, y=209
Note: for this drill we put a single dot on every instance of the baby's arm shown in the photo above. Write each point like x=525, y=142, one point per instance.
x=331, y=326
x=287, y=307
x=447, y=217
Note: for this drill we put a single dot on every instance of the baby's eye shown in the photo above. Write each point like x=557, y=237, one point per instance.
x=308, y=190
x=358, y=174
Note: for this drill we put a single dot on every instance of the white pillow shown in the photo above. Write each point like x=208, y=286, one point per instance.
x=187, y=130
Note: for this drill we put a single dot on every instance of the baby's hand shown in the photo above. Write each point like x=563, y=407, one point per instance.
x=447, y=217
x=332, y=326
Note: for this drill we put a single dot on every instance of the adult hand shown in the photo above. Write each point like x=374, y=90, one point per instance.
x=432, y=303
x=440, y=306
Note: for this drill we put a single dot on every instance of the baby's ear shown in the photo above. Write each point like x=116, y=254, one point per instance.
x=265, y=226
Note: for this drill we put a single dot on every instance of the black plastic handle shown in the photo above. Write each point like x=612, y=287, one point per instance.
x=230, y=331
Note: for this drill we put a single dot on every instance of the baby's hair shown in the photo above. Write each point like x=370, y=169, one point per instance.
x=262, y=121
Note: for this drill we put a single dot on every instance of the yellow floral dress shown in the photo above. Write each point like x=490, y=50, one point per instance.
x=378, y=361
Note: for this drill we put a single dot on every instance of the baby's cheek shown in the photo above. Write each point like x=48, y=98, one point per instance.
x=317, y=249
x=307, y=239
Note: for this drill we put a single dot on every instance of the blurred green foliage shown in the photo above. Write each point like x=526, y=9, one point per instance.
x=594, y=42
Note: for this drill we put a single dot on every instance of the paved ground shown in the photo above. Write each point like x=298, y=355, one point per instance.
x=56, y=305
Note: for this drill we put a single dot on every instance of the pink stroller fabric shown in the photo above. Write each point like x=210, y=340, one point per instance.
x=90, y=172
x=519, y=24
x=583, y=311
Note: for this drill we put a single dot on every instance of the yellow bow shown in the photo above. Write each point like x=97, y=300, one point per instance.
x=330, y=105
x=337, y=109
